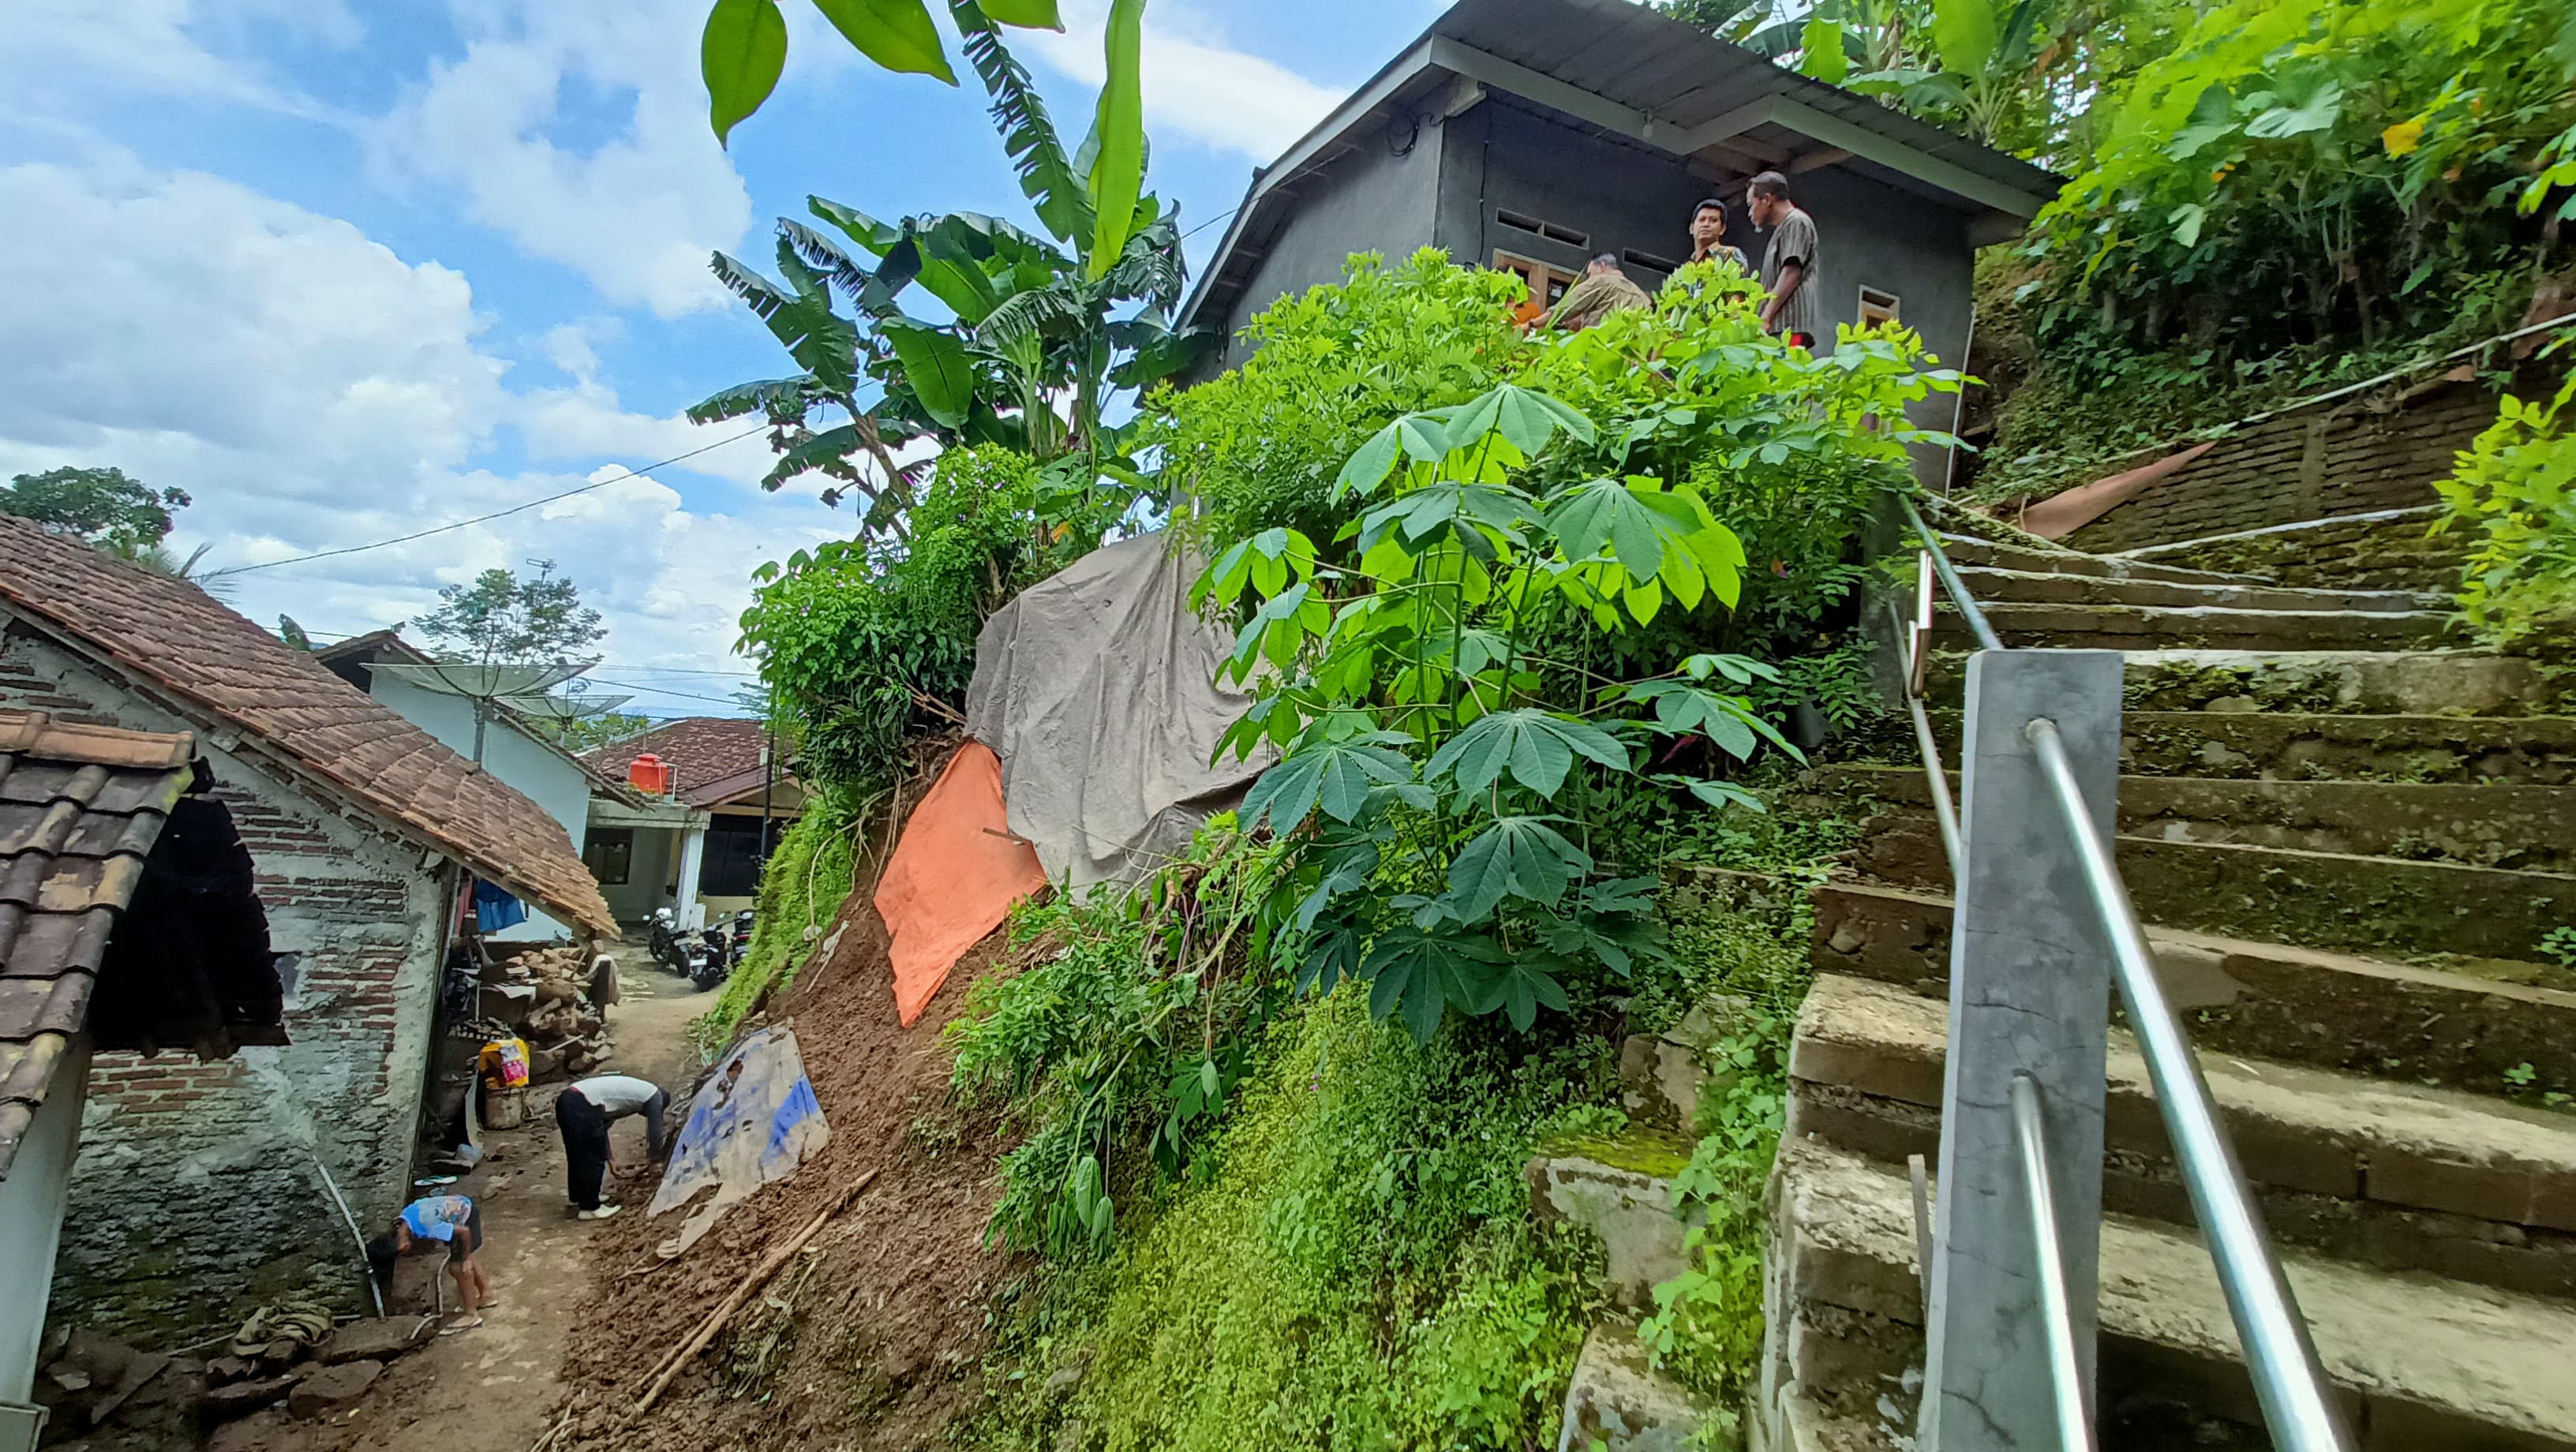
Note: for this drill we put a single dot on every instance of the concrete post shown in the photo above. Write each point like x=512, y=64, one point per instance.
x=693, y=857
x=31, y=1220
x=2030, y=992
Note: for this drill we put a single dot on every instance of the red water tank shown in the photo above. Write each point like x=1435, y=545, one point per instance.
x=651, y=775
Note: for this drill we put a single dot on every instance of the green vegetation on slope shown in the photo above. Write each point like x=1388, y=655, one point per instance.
x=809, y=876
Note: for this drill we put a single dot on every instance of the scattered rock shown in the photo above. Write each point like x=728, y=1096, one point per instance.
x=377, y=1340
x=332, y=1388
x=241, y=1398
x=228, y=1368
x=1617, y=1403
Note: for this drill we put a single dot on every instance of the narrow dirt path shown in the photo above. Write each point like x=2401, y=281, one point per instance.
x=491, y=1389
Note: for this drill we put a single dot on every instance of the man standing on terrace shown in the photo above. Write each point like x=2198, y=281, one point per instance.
x=1789, y=263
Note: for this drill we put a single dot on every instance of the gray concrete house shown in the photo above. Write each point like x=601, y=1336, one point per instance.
x=697, y=848
x=198, y=1190
x=1533, y=135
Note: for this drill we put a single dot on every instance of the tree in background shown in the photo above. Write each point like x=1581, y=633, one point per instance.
x=107, y=507
x=501, y=619
x=588, y=733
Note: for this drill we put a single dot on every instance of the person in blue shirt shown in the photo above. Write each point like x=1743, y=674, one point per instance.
x=454, y=1222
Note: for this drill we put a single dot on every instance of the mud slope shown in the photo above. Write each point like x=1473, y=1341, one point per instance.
x=880, y=1342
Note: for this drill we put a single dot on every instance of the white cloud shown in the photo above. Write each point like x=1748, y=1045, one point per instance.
x=636, y=213
x=178, y=48
x=312, y=390
x=1195, y=85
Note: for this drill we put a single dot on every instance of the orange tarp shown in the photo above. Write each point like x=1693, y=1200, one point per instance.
x=954, y=876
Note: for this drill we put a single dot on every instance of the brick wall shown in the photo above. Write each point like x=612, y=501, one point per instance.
x=2354, y=455
x=195, y=1198
x=2390, y=550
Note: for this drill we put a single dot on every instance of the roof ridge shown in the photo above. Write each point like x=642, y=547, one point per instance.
x=206, y=661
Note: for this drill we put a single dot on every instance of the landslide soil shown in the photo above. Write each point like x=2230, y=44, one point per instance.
x=875, y=1339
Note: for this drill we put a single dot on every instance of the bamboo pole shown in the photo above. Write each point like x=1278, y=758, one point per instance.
x=716, y=1319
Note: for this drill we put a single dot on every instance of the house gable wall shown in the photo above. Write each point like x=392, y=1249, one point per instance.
x=540, y=773
x=1369, y=201
x=1500, y=157
x=194, y=1197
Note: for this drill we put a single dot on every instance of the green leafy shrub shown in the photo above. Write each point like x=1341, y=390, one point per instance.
x=1355, y=1270
x=1129, y=1035
x=2516, y=488
x=1258, y=446
x=807, y=879
x=2291, y=171
x=1430, y=670
x=854, y=637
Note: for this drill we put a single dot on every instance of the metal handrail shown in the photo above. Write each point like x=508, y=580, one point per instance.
x=2056, y=1305
x=2289, y=1380
x=1950, y=581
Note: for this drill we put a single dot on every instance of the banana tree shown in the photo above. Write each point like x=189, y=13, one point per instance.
x=1040, y=334
x=743, y=51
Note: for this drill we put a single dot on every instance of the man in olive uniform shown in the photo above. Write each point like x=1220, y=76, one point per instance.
x=1604, y=290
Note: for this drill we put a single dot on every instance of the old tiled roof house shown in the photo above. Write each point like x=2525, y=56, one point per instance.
x=195, y=1194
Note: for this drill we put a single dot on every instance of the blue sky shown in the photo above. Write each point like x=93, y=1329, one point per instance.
x=348, y=271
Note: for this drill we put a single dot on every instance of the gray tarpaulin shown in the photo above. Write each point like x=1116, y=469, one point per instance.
x=1097, y=689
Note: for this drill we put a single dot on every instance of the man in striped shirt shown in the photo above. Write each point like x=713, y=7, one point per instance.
x=1793, y=312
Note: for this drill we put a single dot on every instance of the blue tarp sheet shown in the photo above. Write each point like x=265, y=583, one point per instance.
x=755, y=1120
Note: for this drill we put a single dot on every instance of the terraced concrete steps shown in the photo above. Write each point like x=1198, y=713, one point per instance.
x=2358, y=682
x=2524, y=827
x=2465, y=1024
x=2399, y=1176
x=2323, y=746
x=2033, y=587
x=2217, y=627
x=2324, y=899
x=2422, y=1362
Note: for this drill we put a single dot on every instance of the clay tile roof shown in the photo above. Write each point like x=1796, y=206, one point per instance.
x=80, y=807
x=218, y=667
x=707, y=750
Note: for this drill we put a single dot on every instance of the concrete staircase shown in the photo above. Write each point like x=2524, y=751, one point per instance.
x=2350, y=835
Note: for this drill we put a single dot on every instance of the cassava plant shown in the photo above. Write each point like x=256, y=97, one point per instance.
x=1434, y=794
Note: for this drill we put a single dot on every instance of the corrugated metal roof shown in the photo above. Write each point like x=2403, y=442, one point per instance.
x=1628, y=58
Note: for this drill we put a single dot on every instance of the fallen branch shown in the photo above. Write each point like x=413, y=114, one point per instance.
x=553, y=1432
x=717, y=1318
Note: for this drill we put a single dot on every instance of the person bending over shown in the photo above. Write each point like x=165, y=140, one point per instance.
x=451, y=1221
x=1604, y=290
x=584, y=1111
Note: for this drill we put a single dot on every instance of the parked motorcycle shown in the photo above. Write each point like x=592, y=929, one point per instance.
x=711, y=957
x=663, y=941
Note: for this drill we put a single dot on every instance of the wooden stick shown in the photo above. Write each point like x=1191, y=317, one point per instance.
x=553, y=1432
x=716, y=1319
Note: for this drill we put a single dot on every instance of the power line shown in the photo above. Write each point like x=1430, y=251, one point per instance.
x=659, y=691
x=1210, y=222
x=495, y=514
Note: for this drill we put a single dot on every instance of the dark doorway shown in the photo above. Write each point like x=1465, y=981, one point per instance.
x=732, y=867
